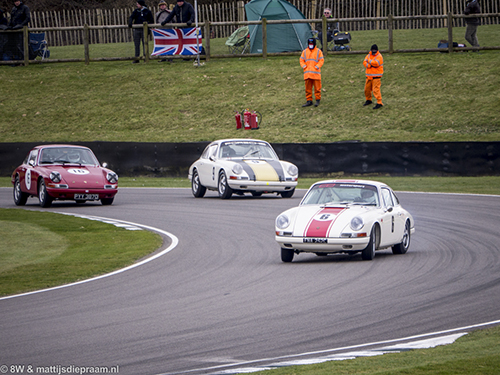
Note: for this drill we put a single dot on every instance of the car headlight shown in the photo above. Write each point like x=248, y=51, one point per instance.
x=55, y=177
x=237, y=169
x=282, y=221
x=293, y=170
x=112, y=177
x=357, y=223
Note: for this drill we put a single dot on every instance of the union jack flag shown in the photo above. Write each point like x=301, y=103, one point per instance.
x=176, y=41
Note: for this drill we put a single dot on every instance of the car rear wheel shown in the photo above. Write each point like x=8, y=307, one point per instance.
x=369, y=252
x=197, y=188
x=20, y=197
x=402, y=248
x=288, y=193
x=44, y=197
x=286, y=255
x=107, y=201
x=225, y=191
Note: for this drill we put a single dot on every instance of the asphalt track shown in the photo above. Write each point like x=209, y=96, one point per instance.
x=222, y=297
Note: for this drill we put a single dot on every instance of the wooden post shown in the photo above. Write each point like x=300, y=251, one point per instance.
x=207, y=40
x=264, y=38
x=241, y=11
x=450, y=33
x=26, y=46
x=99, y=23
x=86, y=40
x=324, y=36
x=391, y=37
x=445, y=11
x=314, y=5
x=145, y=31
x=378, y=15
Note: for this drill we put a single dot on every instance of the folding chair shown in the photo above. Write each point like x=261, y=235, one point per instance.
x=239, y=41
x=38, y=46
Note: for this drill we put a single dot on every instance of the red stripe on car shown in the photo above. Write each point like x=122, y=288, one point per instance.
x=320, y=224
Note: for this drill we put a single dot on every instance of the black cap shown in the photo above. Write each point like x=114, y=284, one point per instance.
x=374, y=48
x=311, y=41
x=141, y=2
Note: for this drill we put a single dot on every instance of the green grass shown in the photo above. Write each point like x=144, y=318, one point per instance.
x=427, y=96
x=66, y=249
x=476, y=353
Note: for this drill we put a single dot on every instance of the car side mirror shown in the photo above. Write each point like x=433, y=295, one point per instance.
x=104, y=165
x=32, y=163
x=389, y=209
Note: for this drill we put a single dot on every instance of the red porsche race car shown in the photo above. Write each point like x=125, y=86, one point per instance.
x=64, y=172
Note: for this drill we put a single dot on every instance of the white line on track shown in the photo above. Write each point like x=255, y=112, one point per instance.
x=120, y=223
x=426, y=340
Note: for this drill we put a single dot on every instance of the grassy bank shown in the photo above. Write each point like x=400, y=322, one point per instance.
x=66, y=249
x=427, y=97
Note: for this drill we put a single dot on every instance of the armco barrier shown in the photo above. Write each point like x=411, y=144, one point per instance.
x=393, y=158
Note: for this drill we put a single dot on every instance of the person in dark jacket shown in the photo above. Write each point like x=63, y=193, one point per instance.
x=19, y=17
x=331, y=28
x=184, y=13
x=472, y=23
x=4, y=24
x=139, y=16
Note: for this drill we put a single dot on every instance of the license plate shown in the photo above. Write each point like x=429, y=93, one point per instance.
x=87, y=197
x=315, y=240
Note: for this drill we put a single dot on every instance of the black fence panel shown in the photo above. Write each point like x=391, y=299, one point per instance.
x=391, y=158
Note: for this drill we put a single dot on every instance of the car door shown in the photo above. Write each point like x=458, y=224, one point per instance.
x=399, y=219
x=388, y=220
x=206, y=166
x=27, y=174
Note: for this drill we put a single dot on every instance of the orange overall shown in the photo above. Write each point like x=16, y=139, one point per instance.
x=311, y=61
x=374, y=64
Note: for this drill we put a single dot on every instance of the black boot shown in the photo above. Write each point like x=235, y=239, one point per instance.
x=308, y=104
x=317, y=103
x=378, y=106
x=368, y=102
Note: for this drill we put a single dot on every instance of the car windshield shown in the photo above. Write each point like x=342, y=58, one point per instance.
x=246, y=150
x=67, y=155
x=342, y=193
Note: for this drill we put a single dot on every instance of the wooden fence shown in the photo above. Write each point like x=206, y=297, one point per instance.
x=232, y=12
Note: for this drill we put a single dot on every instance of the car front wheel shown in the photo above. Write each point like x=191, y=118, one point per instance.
x=402, y=248
x=369, y=252
x=44, y=197
x=225, y=191
x=20, y=197
x=288, y=193
x=197, y=188
x=107, y=201
x=286, y=255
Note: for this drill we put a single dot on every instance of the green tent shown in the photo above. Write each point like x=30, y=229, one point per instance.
x=280, y=38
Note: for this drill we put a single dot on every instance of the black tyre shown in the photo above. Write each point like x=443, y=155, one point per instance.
x=288, y=193
x=44, y=197
x=402, y=248
x=256, y=193
x=107, y=201
x=20, y=197
x=286, y=255
x=197, y=188
x=225, y=191
x=369, y=252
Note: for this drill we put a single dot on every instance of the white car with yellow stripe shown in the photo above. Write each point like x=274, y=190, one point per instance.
x=242, y=165
x=345, y=216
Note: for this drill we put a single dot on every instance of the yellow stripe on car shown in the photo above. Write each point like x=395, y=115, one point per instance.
x=263, y=171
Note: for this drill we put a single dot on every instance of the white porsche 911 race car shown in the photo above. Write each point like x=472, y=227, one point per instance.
x=242, y=165
x=345, y=216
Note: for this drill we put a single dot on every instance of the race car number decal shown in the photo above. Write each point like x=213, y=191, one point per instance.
x=27, y=179
x=320, y=224
x=78, y=171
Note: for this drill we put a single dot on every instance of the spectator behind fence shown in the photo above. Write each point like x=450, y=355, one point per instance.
x=4, y=24
x=163, y=13
x=472, y=23
x=330, y=27
x=139, y=16
x=162, y=16
x=184, y=13
x=19, y=17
